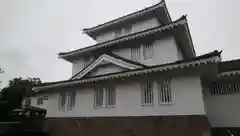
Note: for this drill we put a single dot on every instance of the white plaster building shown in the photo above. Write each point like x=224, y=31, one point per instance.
x=142, y=77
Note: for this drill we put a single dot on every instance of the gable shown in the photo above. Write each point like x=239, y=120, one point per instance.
x=105, y=69
x=107, y=59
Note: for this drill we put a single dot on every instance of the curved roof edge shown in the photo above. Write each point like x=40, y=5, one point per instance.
x=127, y=17
x=212, y=57
x=181, y=21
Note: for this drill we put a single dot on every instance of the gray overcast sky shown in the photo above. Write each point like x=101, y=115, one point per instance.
x=32, y=32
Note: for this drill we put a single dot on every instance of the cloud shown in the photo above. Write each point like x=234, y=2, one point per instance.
x=33, y=32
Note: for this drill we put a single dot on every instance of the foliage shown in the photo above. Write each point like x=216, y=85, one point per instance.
x=12, y=95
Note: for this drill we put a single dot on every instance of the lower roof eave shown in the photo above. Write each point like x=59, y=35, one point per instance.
x=141, y=71
x=230, y=73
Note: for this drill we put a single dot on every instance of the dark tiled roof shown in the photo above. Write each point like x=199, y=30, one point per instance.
x=229, y=65
x=165, y=27
x=205, y=56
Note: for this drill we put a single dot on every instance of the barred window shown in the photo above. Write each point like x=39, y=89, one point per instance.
x=98, y=98
x=147, y=94
x=110, y=96
x=222, y=88
x=62, y=100
x=71, y=99
x=147, y=51
x=164, y=89
x=135, y=53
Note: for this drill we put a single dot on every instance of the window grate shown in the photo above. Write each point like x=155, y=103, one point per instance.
x=164, y=89
x=71, y=99
x=135, y=53
x=224, y=88
x=110, y=96
x=62, y=100
x=147, y=94
x=98, y=98
x=147, y=51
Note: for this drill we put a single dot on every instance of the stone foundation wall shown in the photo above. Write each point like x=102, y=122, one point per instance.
x=129, y=126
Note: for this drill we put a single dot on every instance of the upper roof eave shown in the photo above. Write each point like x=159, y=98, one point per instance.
x=180, y=21
x=161, y=4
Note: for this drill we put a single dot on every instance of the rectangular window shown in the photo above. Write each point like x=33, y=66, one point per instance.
x=110, y=96
x=71, y=99
x=62, y=100
x=28, y=102
x=147, y=94
x=98, y=98
x=147, y=51
x=67, y=99
x=105, y=97
x=164, y=90
x=135, y=53
x=39, y=101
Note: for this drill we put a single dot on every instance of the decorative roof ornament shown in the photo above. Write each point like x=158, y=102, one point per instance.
x=107, y=58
